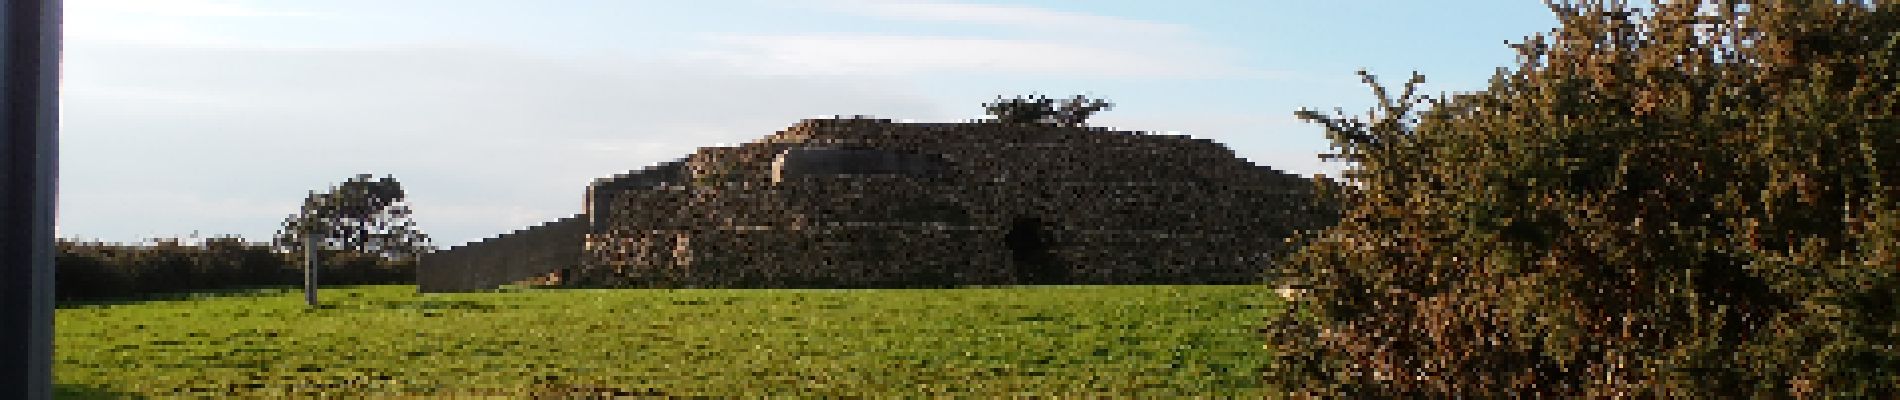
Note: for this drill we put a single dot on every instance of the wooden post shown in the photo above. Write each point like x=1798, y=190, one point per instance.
x=310, y=267
x=29, y=133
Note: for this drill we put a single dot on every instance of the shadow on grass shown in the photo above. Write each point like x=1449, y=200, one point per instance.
x=65, y=391
x=433, y=305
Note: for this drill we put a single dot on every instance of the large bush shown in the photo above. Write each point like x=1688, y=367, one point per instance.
x=1700, y=200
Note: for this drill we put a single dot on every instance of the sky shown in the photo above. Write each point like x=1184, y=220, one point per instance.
x=217, y=117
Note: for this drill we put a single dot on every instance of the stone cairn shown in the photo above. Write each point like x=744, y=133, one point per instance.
x=1029, y=197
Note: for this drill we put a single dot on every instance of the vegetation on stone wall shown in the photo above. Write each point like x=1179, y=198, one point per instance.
x=1036, y=109
x=1700, y=200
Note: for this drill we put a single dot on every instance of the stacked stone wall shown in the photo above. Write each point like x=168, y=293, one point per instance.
x=1119, y=208
x=504, y=259
x=601, y=193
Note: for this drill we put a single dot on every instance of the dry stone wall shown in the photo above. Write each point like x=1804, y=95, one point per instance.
x=951, y=204
x=600, y=194
x=504, y=259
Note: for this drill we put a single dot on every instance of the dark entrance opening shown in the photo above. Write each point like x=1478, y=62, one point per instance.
x=1029, y=247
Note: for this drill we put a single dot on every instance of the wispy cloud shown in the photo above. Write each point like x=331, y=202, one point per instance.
x=160, y=23
x=1003, y=15
x=898, y=55
x=486, y=140
x=1049, y=43
x=176, y=8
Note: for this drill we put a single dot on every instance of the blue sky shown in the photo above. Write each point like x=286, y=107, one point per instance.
x=218, y=116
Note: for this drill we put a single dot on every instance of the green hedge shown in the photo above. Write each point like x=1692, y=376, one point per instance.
x=100, y=271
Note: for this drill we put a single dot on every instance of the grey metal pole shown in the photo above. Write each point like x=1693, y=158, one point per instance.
x=29, y=134
x=310, y=268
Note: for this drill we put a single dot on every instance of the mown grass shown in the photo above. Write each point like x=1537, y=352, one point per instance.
x=388, y=341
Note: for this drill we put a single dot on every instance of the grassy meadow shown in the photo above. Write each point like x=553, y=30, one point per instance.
x=390, y=342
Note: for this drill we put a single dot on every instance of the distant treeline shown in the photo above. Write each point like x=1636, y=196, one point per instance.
x=102, y=271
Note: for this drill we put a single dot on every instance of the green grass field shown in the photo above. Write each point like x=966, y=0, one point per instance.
x=388, y=341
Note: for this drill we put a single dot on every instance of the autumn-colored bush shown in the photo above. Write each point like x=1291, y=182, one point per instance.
x=1700, y=200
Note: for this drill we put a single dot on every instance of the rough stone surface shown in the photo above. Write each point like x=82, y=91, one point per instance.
x=504, y=259
x=601, y=193
x=843, y=203
x=873, y=203
x=795, y=163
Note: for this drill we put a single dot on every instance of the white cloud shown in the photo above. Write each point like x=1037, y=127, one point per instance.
x=178, y=212
x=158, y=23
x=880, y=55
x=484, y=140
x=477, y=221
x=1014, y=16
x=1274, y=140
x=489, y=141
x=175, y=8
x=200, y=100
x=1035, y=41
x=81, y=30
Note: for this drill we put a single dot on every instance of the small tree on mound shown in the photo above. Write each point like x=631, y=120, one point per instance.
x=1683, y=203
x=1076, y=111
x=1035, y=109
x=1022, y=110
